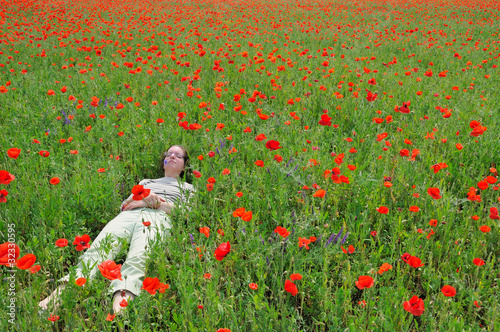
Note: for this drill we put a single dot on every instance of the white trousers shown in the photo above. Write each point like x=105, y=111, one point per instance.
x=126, y=227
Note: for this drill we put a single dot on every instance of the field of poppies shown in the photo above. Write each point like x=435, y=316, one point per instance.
x=344, y=156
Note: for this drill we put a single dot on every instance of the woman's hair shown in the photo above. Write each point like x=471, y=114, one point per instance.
x=186, y=174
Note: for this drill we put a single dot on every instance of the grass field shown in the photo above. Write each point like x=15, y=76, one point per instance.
x=363, y=137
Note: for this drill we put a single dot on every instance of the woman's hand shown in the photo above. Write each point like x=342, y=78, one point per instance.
x=134, y=205
x=153, y=200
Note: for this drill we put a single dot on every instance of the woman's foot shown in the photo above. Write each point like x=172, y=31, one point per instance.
x=121, y=300
x=54, y=299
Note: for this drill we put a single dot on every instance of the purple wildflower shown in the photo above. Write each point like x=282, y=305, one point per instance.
x=192, y=238
x=345, y=238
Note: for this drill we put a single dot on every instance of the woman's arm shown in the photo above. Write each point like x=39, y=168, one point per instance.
x=166, y=207
x=151, y=201
x=134, y=205
x=128, y=200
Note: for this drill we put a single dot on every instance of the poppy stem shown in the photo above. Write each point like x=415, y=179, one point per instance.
x=367, y=311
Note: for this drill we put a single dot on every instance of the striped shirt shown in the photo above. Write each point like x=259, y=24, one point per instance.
x=168, y=188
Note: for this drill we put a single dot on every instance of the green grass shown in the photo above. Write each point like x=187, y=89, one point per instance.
x=460, y=38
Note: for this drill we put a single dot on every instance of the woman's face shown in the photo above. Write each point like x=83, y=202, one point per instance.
x=174, y=161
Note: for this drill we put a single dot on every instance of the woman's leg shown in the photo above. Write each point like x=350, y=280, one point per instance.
x=105, y=246
x=118, y=298
x=134, y=268
x=53, y=298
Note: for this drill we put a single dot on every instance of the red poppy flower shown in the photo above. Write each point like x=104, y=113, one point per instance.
x=364, y=282
x=478, y=261
x=349, y=250
x=303, y=242
x=296, y=276
x=415, y=306
x=3, y=194
x=259, y=163
x=404, y=152
x=414, y=208
x=406, y=257
x=222, y=250
x=291, y=288
x=439, y=166
x=110, y=317
x=273, y=145
x=384, y=268
x=6, y=177
x=485, y=229
x=8, y=249
x=434, y=193
x=239, y=212
x=383, y=210
x=283, y=232
x=371, y=96
x=415, y=262
x=150, y=285
x=247, y=216
x=53, y=318
x=140, y=192
x=44, y=153
x=253, y=285
x=210, y=186
x=478, y=131
x=82, y=242
x=494, y=213
x=35, y=268
x=62, y=243
x=163, y=287
x=110, y=270
x=205, y=231
x=26, y=261
x=13, y=153
x=55, y=180
x=325, y=120
x=483, y=185
x=414, y=153
x=320, y=193
x=80, y=281
x=491, y=179
x=146, y=223
x=260, y=137
x=404, y=109
x=448, y=291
